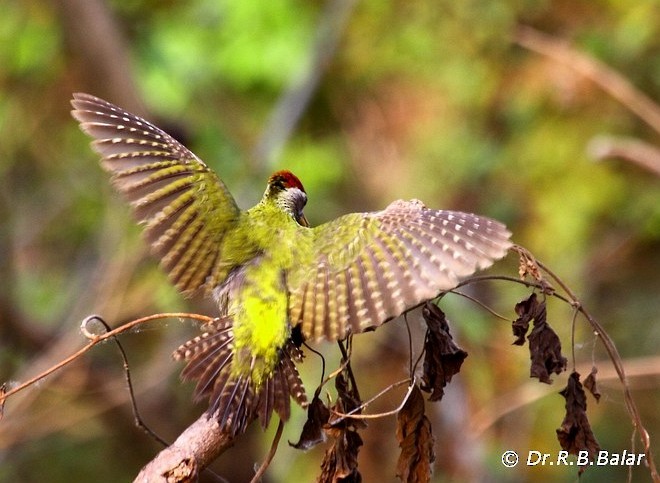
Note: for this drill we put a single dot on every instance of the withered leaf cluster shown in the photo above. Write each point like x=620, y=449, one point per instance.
x=340, y=460
x=575, y=433
x=442, y=357
x=544, y=344
x=413, y=431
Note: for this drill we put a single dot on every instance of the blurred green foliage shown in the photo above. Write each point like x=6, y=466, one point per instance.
x=425, y=99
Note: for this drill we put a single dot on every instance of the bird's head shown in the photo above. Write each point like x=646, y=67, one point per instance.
x=286, y=190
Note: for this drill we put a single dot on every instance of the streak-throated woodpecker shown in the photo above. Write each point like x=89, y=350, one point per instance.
x=272, y=275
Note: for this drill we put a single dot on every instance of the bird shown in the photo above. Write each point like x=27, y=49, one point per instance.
x=276, y=281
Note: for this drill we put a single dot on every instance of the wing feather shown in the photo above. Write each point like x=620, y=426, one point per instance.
x=367, y=268
x=185, y=207
x=381, y=265
x=320, y=296
x=401, y=283
x=332, y=306
x=341, y=300
x=369, y=285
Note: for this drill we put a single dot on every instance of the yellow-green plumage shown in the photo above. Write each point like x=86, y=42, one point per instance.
x=276, y=281
x=259, y=305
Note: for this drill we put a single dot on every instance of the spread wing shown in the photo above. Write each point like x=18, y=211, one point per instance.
x=366, y=268
x=185, y=207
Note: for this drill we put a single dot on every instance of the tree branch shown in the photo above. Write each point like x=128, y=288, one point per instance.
x=94, y=36
x=632, y=150
x=603, y=75
x=296, y=98
x=197, y=447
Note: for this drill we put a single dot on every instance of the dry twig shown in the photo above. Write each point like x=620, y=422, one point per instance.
x=601, y=74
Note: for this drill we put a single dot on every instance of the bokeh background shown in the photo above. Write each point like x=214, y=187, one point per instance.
x=539, y=113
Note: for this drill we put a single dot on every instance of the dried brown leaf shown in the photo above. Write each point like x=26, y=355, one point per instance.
x=416, y=441
x=544, y=344
x=348, y=396
x=528, y=266
x=348, y=400
x=591, y=384
x=526, y=310
x=575, y=433
x=544, y=348
x=442, y=357
x=312, y=432
x=340, y=460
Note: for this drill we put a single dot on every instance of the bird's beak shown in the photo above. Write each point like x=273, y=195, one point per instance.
x=302, y=220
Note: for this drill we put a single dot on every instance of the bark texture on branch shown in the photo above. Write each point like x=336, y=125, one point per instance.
x=199, y=445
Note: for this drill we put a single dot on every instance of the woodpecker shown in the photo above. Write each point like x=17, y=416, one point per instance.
x=276, y=280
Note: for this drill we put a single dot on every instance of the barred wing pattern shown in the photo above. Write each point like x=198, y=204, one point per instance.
x=371, y=267
x=233, y=399
x=185, y=207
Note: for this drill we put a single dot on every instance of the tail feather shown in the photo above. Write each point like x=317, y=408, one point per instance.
x=234, y=399
x=296, y=389
x=267, y=401
x=232, y=407
x=281, y=394
x=284, y=384
x=209, y=354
